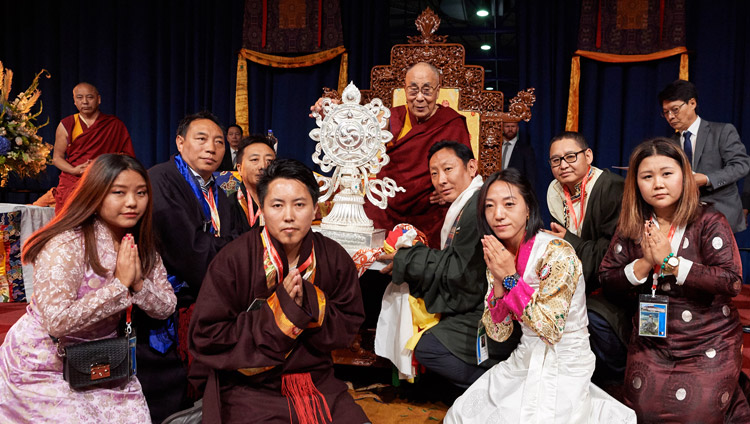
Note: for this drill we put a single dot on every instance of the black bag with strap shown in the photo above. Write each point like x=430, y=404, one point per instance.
x=98, y=362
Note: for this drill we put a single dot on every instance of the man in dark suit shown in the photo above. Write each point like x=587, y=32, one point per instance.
x=516, y=154
x=234, y=136
x=715, y=150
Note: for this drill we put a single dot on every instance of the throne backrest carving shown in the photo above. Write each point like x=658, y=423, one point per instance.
x=456, y=77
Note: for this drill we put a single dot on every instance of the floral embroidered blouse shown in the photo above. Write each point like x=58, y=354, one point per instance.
x=551, y=281
x=73, y=301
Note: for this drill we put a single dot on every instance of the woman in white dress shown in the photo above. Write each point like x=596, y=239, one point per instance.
x=536, y=279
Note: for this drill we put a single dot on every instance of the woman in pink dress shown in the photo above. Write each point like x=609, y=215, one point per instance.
x=685, y=352
x=93, y=261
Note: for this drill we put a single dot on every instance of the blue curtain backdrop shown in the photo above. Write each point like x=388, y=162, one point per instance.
x=154, y=62
x=618, y=105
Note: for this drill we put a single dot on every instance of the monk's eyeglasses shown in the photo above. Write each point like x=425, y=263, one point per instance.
x=426, y=90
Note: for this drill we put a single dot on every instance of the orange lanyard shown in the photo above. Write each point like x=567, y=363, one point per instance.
x=569, y=202
x=247, y=206
x=214, y=211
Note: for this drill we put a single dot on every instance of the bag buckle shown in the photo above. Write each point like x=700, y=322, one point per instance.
x=99, y=371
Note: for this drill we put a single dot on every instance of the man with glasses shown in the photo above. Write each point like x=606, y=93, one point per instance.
x=416, y=126
x=584, y=202
x=715, y=151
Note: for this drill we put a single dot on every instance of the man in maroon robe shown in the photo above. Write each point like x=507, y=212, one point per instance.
x=416, y=126
x=81, y=138
x=273, y=305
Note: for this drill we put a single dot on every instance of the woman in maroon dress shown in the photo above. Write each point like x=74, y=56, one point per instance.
x=683, y=365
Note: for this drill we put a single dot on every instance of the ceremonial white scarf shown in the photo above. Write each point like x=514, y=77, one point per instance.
x=456, y=208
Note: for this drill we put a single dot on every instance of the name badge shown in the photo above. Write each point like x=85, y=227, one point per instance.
x=482, y=351
x=131, y=346
x=652, y=315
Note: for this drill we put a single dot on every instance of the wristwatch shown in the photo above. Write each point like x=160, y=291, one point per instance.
x=510, y=281
x=671, y=263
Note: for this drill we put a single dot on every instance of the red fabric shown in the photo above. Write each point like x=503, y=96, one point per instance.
x=599, y=26
x=320, y=22
x=305, y=399
x=265, y=22
x=661, y=20
x=107, y=135
x=408, y=167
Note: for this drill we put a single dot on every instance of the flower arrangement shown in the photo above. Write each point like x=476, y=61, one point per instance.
x=21, y=150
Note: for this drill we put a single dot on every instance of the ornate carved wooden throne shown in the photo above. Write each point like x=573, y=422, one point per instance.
x=463, y=87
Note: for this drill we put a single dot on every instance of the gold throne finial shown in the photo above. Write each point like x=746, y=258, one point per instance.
x=427, y=23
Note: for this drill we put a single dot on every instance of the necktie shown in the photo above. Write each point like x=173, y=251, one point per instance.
x=688, y=147
x=506, y=146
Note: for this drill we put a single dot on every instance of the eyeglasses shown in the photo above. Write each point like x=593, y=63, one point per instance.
x=426, y=91
x=674, y=111
x=569, y=158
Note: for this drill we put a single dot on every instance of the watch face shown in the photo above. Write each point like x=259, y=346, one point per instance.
x=673, y=261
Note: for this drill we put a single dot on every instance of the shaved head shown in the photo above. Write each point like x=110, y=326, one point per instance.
x=87, y=99
x=425, y=66
x=86, y=85
x=422, y=85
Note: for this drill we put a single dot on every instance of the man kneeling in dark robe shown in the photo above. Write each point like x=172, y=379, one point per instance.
x=273, y=306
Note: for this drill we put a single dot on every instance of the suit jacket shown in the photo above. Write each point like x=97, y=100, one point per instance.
x=720, y=154
x=226, y=161
x=598, y=226
x=522, y=158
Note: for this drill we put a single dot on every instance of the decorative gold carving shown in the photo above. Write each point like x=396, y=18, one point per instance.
x=469, y=79
x=450, y=59
x=427, y=23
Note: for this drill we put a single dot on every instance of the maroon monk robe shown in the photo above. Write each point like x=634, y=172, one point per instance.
x=409, y=168
x=226, y=337
x=691, y=375
x=107, y=135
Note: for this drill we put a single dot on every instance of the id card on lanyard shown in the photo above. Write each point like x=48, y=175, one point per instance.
x=652, y=308
x=483, y=352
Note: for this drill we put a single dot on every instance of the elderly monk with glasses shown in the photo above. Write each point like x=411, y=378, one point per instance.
x=416, y=126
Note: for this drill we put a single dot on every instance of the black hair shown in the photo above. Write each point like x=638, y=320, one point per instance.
x=514, y=177
x=463, y=151
x=575, y=136
x=236, y=126
x=250, y=140
x=678, y=90
x=184, y=124
x=290, y=169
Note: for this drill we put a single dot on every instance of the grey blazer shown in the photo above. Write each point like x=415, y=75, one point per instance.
x=720, y=154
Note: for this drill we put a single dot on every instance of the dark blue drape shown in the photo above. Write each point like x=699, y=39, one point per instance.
x=618, y=105
x=154, y=62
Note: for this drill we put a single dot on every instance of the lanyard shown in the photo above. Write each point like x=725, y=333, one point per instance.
x=208, y=207
x=247, y=206
x=215, y=222
x=569, y=202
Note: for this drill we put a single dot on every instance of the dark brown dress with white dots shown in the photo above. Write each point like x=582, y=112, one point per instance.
x=692, y=375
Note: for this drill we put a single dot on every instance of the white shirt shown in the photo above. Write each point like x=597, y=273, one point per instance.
x=509, y=153
x=693, y=128
x=234, y=157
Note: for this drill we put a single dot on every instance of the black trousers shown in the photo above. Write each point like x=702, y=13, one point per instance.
x=431, y=353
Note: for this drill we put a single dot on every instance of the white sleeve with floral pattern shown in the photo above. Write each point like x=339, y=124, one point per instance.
x=59, y=272
x=548, y=308
x=156, y=297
